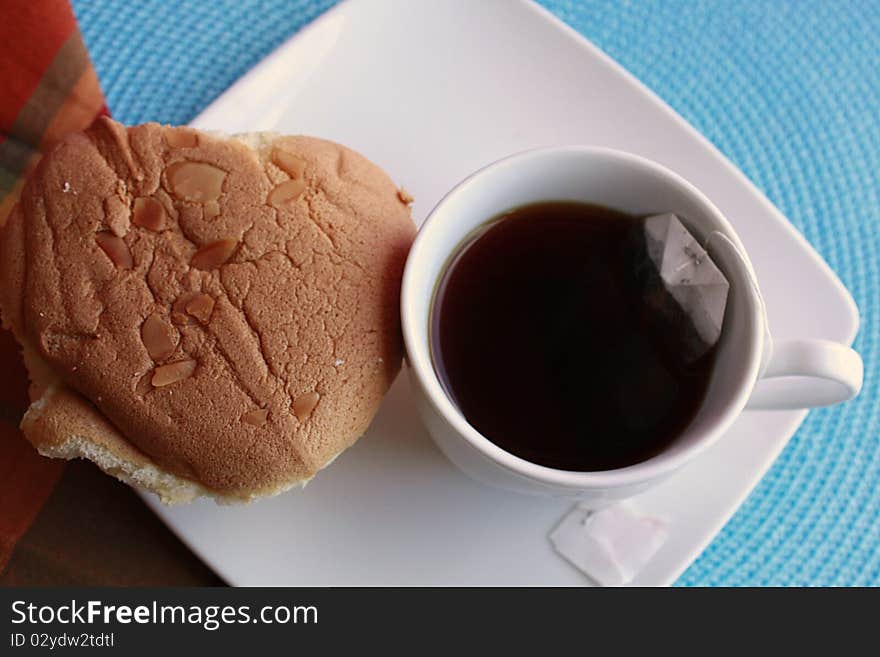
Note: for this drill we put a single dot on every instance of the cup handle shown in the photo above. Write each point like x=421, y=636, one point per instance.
x=807, y=373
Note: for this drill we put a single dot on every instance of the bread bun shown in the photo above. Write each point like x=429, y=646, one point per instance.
x=203, y=315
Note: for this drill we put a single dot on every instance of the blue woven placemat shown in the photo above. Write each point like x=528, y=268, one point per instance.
x=788, y=90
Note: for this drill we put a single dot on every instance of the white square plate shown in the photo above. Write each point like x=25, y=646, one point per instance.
x=431, y=91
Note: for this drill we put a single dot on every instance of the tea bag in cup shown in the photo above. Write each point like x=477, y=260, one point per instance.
x=683, y=285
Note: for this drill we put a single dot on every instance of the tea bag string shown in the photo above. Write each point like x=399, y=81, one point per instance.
x=723, y=241
x=718, y=236
x=696, y=259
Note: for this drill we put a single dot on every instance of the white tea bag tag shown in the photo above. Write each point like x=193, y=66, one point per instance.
x=611, y=545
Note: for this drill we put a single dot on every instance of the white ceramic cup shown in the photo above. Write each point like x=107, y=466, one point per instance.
x=814, y=372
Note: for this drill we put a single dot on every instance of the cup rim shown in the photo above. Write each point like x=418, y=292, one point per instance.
x=422, y=366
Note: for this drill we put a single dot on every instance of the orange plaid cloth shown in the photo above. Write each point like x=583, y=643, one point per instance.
x=48, y=89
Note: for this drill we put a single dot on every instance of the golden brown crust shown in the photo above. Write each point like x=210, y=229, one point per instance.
x=304, y=305
x=12, y=271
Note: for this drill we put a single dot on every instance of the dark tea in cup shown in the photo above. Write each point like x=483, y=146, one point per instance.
x=552, y=335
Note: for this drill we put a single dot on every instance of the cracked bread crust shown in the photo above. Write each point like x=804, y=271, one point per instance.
x=292, y=322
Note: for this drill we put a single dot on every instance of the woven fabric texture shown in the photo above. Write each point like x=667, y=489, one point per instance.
x=789, y=90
